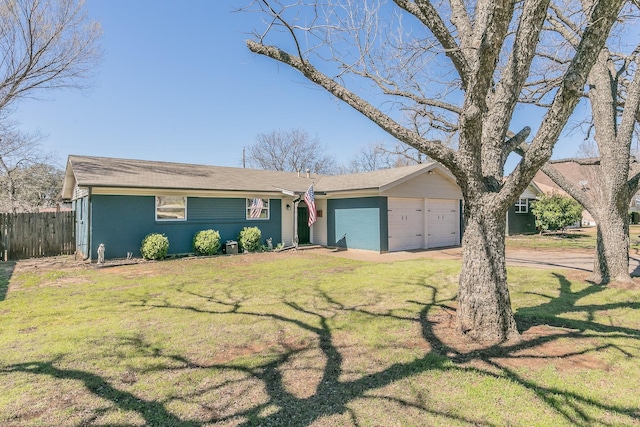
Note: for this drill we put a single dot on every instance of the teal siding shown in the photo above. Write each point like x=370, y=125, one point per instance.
x=203, y=209
x=359, y=223
x=520, y=223
x=121, y=222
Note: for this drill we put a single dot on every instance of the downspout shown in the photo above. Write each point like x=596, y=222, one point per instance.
x=506, y=231
x=89, y=227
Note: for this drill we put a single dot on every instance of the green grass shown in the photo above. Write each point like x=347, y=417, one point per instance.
x=583, y=238
x=301, y=339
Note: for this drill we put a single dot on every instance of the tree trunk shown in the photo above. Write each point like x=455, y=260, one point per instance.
x=483, y=300
x=612, y=247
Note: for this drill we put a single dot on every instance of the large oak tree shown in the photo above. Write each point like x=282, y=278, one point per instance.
x=611, y=179
x=461, y=66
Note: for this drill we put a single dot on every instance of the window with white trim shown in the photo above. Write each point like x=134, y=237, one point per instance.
x=171, y=208
x=522, y=205
x=257, y=209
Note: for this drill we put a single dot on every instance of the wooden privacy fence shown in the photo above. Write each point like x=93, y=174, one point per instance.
x=31, y=235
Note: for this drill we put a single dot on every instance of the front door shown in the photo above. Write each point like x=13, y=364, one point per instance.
x=304, y=234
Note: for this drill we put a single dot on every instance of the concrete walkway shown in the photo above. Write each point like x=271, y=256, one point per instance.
x=566, y=259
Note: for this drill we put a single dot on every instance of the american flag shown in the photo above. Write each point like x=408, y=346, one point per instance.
x=256, y=208
x=309, y=199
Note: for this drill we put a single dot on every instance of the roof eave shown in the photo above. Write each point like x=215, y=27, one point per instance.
x=69, y=182
x=428, y=167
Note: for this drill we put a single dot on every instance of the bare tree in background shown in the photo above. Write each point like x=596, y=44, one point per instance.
x=45, y=45
x=28, y=181
x=588, y=149
x=35, y=186
x=382, y=156
x=290, y=151
x=461, y=67
x=613, y=90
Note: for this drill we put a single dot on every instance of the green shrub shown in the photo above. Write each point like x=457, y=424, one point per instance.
x=154, y=246
x=249, y=239
x=555, y=212
x=206, y=242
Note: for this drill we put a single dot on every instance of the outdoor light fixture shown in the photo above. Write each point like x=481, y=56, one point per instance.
x=288, y=207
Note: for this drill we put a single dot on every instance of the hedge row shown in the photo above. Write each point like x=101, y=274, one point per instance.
x=205, y=242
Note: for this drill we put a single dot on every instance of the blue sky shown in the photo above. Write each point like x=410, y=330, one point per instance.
x=177, y=83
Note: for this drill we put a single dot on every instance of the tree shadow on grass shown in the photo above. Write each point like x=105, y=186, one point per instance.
x=153, y=413
x=338, y=388
x=6, y=271
x=574, y=407
x=550, y=312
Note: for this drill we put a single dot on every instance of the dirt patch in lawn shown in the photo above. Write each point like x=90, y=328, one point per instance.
x=633, y=285
x=50, y=264
x=539, y=346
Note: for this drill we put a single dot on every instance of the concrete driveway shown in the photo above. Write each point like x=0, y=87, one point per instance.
x=566, y=259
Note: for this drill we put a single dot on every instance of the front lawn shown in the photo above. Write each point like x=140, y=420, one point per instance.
x=580, y=238
x=297, y=339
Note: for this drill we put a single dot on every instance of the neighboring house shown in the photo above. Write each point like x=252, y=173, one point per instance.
x=581, y=175
x=520, y=219
x=60, y=207
x=118, y=201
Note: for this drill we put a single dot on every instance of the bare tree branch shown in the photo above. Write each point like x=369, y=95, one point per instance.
x=629, y=116
x=439, y=152
x=428, y=15
x=595, y=34
x=44, y=45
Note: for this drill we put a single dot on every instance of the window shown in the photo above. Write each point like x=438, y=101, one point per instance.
x=257, y=208
x=171, y=208
x=522, y=206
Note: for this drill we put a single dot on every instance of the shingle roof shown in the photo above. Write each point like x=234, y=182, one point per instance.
x=370, y=180
x=572, y=171
x=88, y=171
x=108, y=172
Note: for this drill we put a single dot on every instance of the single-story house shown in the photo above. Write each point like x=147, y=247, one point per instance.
x=520, y=219
x=119, y=201
x=581, y=175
